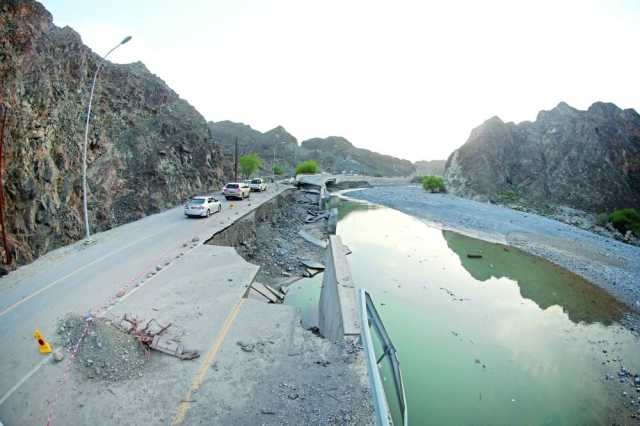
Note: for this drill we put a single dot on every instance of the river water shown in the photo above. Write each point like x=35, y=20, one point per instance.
x=505, y=339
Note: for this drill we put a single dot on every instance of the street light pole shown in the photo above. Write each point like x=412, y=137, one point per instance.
x=86, y=136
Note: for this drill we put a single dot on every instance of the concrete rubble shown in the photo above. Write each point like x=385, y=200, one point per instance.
x=280, y=238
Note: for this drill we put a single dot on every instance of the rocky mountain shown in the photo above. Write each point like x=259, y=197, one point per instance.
x=334, y=154
x=588, y=160
x=337, y=154
x=430, y=168
x=148, y=149
x=277, y=143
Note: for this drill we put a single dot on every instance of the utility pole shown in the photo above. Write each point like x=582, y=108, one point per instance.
x=86, y=137
x=235, y=162
x=3, y=119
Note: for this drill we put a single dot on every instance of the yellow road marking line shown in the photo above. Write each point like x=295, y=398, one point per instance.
x=184, y=406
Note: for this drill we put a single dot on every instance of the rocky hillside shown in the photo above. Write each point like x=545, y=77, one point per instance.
x=148, y=149
x=334, y=154
x=276, y=142
x=430, y=168
x=588, y=160
x=337, y=154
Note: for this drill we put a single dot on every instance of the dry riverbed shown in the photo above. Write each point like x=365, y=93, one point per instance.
x=613, y=265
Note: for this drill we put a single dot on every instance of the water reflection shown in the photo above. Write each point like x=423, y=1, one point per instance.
x=483, y=341
x=538, y=279
x=345, y=208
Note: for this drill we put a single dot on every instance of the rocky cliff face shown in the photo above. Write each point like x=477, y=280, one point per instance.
x=588, y=160
x=336, y=154
x=430, y=168
x=148, y=149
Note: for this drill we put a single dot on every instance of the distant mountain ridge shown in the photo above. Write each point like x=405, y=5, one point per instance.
x=588, y=160
x=430, y=168
x=337, y=154
x=334, y=154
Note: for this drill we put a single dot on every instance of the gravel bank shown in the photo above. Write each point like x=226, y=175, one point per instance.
x=103, y=352
x=610, y=264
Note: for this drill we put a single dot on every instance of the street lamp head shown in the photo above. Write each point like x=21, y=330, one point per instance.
x=126, y=39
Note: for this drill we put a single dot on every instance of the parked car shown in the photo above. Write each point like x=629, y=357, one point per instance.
x=258, y=185
x=203, y=206
x=236, y=190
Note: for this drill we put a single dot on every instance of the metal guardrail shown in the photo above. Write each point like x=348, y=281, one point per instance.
x=370, y=320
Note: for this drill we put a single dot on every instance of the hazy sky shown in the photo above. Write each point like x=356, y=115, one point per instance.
x=406, y=78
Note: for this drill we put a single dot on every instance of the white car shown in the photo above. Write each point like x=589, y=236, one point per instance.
x=236, y=190
x=258, y=185
x=202, y=206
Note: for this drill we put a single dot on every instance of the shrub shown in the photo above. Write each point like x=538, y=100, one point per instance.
x=277, y=170
x=602, y=219
x=433, y=184
x=308, y=167
x=249, y=164
x=509, y=196
x=626, y=220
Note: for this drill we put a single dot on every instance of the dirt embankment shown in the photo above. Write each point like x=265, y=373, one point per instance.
x=269, y=237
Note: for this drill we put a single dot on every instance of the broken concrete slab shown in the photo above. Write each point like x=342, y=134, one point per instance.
x=312, y=265
x=338, y=302
x=310, y=273
x=310, y=238
x=173, y=348
x=271, y=294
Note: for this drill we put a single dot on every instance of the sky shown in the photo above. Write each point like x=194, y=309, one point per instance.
x=404, y=78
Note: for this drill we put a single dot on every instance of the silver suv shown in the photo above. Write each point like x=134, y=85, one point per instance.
x=258, y=185
x=236, y=190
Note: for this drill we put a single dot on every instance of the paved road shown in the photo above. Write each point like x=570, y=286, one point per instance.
x=81, y=278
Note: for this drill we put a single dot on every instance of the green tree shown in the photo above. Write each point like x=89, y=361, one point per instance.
x=308, y=167
x=249, y=163
x=278, y=170
x=433, y=184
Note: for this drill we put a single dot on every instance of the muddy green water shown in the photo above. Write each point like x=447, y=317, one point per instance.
x=508, y=339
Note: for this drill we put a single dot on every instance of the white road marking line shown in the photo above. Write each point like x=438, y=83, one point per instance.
x=59, y=280
x=41, y=363
x=24, y=379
